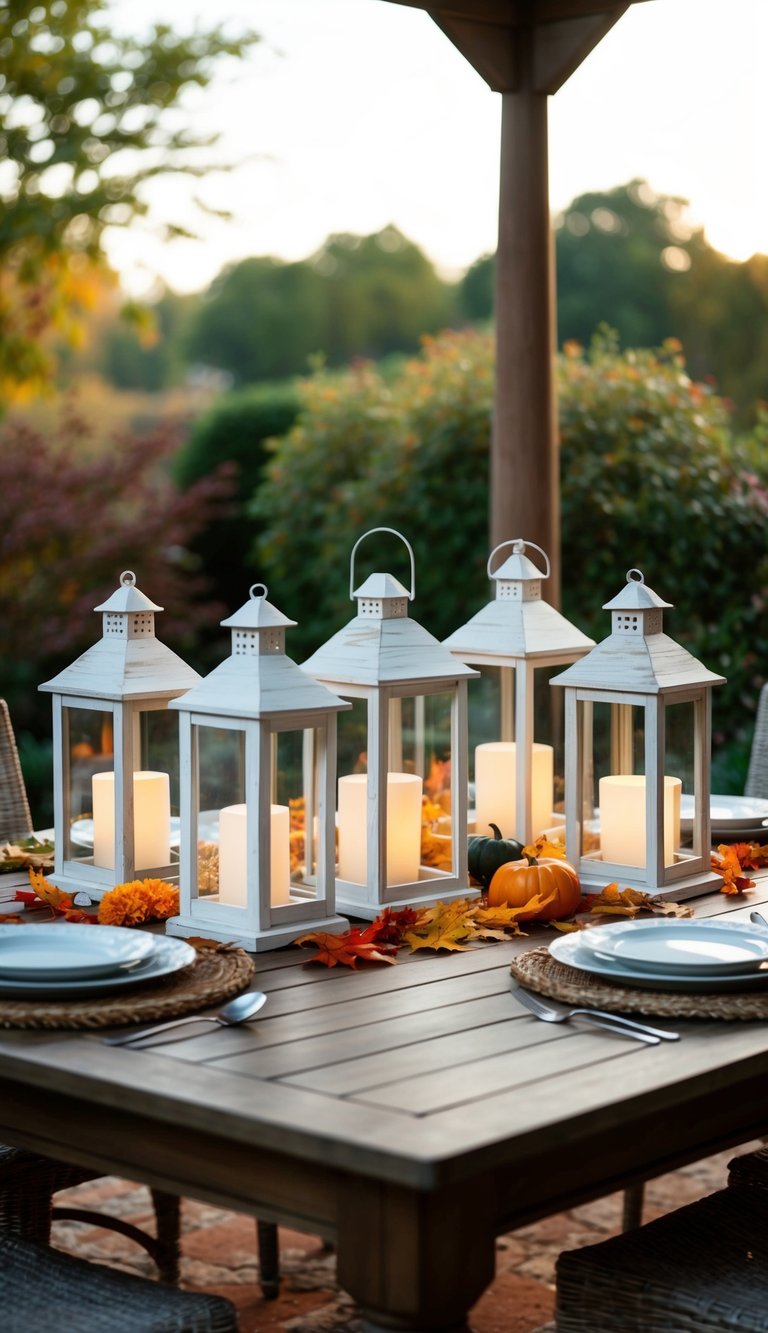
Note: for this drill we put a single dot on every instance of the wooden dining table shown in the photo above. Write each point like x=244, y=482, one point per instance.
x=410, y=1114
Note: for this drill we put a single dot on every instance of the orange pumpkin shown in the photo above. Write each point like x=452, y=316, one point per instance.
x=517, y=882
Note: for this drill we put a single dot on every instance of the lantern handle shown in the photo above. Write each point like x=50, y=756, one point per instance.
x=255, y=594
x=519, y=545
x=370, y=533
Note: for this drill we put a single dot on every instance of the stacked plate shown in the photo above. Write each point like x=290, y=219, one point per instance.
x=733, y=818
x=66, y=959
x=670, y=954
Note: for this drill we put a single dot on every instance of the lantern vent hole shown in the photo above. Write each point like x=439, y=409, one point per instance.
x=141, y=625
x=377, y=609
x=251, y=642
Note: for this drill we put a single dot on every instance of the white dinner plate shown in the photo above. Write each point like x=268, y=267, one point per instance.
x=81, y=830
x=69, y=950
x=569, y=949
x=680, y=946
x=167, y=955
x=728, y=813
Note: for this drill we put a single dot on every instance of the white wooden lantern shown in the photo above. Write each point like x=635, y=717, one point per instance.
x=115, y=751
x=414, y=697
x=637, y=740
x=522, y=636
x=258, y=755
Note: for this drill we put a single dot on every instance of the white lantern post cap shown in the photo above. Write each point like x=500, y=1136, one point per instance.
x=257, y=613
x=636, y=596
x=128, y=597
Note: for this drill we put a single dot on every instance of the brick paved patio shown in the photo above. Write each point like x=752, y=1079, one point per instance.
x=219, y=1255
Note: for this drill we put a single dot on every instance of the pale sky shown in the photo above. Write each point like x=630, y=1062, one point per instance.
x=352, y=114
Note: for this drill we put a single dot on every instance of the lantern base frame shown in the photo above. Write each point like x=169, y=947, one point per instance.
x=96, y=890
x=254, y=940
x=692, y=886
x=429, y=898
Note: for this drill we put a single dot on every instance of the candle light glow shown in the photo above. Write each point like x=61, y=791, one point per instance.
x=404, y=791
x=151, y=820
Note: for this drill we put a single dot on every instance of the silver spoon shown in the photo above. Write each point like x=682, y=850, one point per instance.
x=236, y=1011
x=758, y=919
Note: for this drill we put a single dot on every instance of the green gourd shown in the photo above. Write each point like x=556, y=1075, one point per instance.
x=485, y=855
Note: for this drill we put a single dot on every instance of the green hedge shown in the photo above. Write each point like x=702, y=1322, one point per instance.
x=652, y=476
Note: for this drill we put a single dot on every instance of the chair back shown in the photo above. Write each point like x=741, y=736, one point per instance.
x=757, y=775
x=15, y=817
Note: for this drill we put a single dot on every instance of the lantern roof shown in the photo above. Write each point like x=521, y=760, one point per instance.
x=128, y=662
x=258, y=680
x=383, y=652
x=381, y=585
x=638, y=657
x=518, y=623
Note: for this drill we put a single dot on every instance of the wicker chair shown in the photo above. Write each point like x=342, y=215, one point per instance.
x=15, y=818
x=751, y=1168
x=29, y=1181
x=757, y=775
x=42, y=1289
x=703, y=1267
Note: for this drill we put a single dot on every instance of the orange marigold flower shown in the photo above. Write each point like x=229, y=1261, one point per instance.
x=125, y=905
x=162, y=898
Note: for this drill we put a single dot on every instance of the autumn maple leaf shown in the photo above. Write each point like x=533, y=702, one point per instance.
x=60, y=902
x=750, y=855
x=544, y=847
x=347, y=948
x=613, y=901
x=444, y=926
x=726, y=862
x=390, y=925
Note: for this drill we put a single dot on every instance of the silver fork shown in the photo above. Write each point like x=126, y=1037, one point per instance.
x=551, y=1012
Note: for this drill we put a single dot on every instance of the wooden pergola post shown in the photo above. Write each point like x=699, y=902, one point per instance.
x=525, y=484
x=525, y=50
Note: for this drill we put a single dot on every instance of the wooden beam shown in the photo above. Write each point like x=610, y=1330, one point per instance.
x=560, y=47
x=489, y=48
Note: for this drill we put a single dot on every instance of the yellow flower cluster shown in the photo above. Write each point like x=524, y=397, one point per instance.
x=139, y=900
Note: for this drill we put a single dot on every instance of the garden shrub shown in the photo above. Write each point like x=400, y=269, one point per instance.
x=233, y=434
x=408, y=452
x=651, y=477
x=71, y=519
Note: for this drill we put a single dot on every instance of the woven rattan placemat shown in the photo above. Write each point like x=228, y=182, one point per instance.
x=215, y=975
x=539, y=971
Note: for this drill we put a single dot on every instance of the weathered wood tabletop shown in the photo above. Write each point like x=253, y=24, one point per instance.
x=409, y=1113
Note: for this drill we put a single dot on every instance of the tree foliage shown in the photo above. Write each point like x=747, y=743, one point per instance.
x=627, y=257
x=357, y=296
x=85, y=120
x=651, y=477
x=70, y=521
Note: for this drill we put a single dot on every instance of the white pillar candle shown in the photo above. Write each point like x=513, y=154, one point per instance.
x=496, y=788
x=233, y=845
x=622, y=819
x=151, y=820
x=404, y=792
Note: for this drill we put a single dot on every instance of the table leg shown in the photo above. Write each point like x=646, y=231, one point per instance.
x=415, y=1262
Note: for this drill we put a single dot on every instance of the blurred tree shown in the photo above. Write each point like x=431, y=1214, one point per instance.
x=84, y=122
x=357, y=296
x=627, y=258
x=260, y=319
x=147, y=358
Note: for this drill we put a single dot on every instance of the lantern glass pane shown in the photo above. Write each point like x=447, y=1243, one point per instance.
x=613, y=751
x=352, y=738
x=548, y=774
x=680, y=733
x=221, y=786
x=89, y=747
x=426, y=754
x=295, y=797
x=159, y=750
